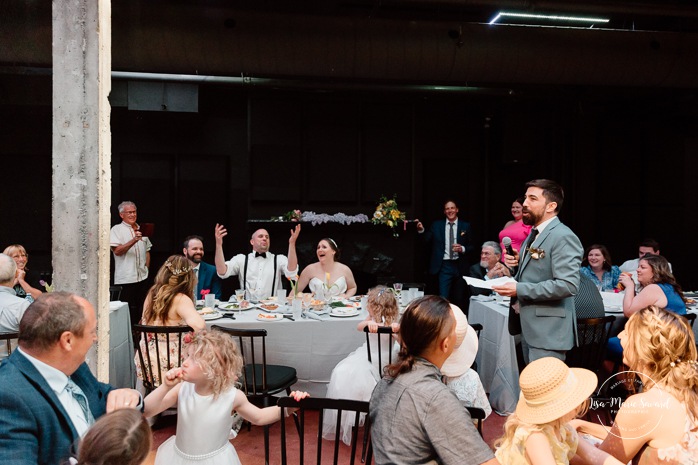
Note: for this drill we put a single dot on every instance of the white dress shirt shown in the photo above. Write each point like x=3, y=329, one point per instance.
x=260, y=272
x=129, y=267
x=12, y=309
x=447, y=249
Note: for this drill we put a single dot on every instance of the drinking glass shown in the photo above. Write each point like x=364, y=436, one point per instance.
x=397, y=287
x=210, y=300
x=239, y=296
x=297, y=308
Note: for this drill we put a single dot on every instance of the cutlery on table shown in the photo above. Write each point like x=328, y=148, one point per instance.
x=289, y=317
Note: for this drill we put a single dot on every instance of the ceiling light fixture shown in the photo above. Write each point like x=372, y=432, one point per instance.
x=580, y=19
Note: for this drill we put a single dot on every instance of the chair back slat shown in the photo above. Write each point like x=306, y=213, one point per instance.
x=152, y=370
x=248, y=340
x=319, y=404
x=691, y=317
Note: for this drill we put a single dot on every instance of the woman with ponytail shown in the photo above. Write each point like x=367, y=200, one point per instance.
x=415, y=417
x=169, y=303
x=659, y=425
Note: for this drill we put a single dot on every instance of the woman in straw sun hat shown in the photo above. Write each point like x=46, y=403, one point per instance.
x=552, y=394
x=463, y=380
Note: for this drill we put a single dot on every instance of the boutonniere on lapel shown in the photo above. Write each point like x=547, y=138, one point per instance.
x=536, y=254
x=462, y=233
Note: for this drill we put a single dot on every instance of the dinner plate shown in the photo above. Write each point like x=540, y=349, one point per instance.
x=344, y=312
x=269, y=317
x=212, y=316
x=234, y=306
x=613, y=309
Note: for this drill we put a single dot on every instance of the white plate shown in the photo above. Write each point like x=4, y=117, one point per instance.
x=212, y=316
x=339, y=313
x=269, y=317
x=234, y=307
x=613, y=309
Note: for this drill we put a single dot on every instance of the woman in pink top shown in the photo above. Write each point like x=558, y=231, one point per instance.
x=515, y=229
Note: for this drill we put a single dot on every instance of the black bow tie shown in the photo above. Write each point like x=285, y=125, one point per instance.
x=262, y=254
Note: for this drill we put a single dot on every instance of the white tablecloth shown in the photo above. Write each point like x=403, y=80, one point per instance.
x=312, y=347
x=496, y=355
x=122, y=370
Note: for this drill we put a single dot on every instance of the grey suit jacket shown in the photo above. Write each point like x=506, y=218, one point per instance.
x=546, y=289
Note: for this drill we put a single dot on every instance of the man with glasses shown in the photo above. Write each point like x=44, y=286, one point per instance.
x=131, y=259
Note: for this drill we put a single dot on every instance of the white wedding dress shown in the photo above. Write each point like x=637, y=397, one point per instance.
x=354, y=378
x=203, y=430
x=317, y=286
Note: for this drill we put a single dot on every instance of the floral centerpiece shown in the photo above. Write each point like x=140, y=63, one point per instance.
x=294, y=286
x=205, y=292
x=387, y=213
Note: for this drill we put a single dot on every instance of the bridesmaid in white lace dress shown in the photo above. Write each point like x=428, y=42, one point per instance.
x=458, y=375
x=354, y=377
x=327, y=277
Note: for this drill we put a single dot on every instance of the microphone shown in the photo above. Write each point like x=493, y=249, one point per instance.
x=506, y=242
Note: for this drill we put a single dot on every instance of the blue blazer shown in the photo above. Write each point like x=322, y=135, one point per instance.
x=34, y=426
x=208, y=279
x=436, y=235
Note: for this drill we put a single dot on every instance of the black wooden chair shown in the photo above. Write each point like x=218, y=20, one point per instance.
x=168, y=351
x=385, y=336
x=477, y=414
x=260, y=380
x=478, y=329
x=8, y=338
x=115, y=293
x=593, y=336
x=319, y=404
x=691, y=317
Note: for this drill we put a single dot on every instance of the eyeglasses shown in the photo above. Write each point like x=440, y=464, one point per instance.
x=129, y=213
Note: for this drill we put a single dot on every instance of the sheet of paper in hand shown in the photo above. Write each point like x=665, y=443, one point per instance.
x=489, y=284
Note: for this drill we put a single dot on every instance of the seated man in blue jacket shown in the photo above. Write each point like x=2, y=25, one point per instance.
x=206, y=275
x=48, y=396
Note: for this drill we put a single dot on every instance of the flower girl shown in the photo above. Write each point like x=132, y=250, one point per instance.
x=355, y=377
x=203, y=389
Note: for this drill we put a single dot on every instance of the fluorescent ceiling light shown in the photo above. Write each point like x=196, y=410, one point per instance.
x=580, y=19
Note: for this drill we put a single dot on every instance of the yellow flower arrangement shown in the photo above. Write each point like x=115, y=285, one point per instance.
x=387, y=213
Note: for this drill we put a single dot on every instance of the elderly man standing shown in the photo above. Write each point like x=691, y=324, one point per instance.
x=205, y=274
x=11, y=307
x=48, y=396
x=260, y=270
x=542, y=299
x=131, y=259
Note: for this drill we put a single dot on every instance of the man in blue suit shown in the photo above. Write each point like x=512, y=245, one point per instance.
x=451, y=242
x=547, y=274
x=48, y=396
x=206, y=274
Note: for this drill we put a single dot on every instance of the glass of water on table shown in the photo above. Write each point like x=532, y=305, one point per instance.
x=239, y=296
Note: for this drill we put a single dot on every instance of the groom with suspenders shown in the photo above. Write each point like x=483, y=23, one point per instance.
x=259, y=271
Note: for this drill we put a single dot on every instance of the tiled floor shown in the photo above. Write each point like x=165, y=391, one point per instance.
x=250, y=444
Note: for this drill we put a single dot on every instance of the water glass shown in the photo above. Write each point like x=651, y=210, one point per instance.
x=297, y=308
x=364, y=302
x=210, y=300
x=281, y=296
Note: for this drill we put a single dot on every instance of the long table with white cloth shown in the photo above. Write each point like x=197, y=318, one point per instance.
x=313, y=347
x=496, y=355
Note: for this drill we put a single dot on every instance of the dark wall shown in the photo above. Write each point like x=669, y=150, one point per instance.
x=626, y=161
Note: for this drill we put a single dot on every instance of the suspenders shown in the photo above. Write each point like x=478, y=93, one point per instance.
x=244, y=275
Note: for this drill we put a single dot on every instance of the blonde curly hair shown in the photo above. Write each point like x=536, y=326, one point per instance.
x=175, y=276
x=382, y=305
x=219, y=358
x=661, y=345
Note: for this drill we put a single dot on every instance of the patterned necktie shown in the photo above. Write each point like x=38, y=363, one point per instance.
x=80, y=397
x=531, y=239
x=451, y=241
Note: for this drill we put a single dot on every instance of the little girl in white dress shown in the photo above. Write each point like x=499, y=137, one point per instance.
x=355, y=377
x=203, y=389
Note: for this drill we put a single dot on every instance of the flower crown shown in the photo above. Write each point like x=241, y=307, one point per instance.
x=177, y=271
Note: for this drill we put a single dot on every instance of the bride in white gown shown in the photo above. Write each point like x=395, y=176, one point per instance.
x=355, y=377
x=327, y=277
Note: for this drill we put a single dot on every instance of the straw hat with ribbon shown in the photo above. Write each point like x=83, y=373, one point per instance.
x=550, y=390
x=464, y=354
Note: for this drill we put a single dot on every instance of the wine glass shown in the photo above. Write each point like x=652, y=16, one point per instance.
x=239, y=296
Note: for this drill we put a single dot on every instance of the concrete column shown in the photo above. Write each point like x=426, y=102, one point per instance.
x=82, y=159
